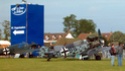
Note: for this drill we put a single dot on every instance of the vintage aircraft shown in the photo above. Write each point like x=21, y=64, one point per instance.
x=82, y=49
x=20, y=48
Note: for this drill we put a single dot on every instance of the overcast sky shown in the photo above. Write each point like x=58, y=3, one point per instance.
x=108, y=15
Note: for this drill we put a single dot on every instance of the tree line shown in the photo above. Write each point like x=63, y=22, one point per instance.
x=72, y=25
x=75, y=26
x=78, y=26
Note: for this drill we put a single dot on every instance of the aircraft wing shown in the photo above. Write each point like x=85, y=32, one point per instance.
x=96, y=50
x=22, y=51
x=74, y=44
x=20, y=48
x=58, y=48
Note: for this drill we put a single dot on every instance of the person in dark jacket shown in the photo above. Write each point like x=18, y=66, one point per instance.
x=113, y=53
x=120, y=53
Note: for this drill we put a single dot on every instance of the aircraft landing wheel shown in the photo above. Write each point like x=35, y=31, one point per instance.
x=87, y=58
x=97, y=57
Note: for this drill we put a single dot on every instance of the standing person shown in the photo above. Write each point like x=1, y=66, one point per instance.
x=113, y=53
x=50, y=53
x=108, y=53
x=120, y=53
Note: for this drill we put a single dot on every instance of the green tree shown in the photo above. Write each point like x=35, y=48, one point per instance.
x=68, y=23
x=122, y=39
x=117, y=37
x=84, y=26
x=6, y=30
x=78, y=26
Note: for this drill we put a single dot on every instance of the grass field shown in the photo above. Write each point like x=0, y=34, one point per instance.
x=10, y=64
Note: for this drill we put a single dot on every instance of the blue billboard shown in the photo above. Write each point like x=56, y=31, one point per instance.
x=27, y=23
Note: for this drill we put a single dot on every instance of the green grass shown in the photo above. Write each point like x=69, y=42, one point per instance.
x=10, y=64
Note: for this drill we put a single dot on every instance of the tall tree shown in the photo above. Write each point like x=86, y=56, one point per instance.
x=78, y=26
x=6, y=25
x=68, y=22
x=84, y=26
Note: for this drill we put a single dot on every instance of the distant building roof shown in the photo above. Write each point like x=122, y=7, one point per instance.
x=84, y=35
x=63, y=41
x=107, y=35
x=54, y=36
x=69, y=36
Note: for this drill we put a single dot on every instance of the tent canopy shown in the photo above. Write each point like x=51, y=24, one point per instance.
x=69, y=36
x=4, y=43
